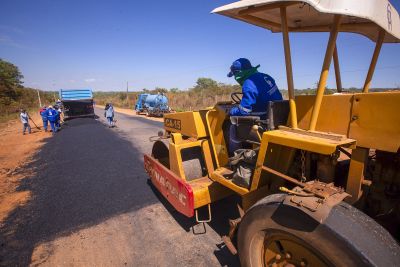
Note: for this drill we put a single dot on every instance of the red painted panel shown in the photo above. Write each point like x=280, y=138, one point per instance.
x=174, y=189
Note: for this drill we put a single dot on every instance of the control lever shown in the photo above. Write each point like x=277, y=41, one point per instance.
x=264, y=122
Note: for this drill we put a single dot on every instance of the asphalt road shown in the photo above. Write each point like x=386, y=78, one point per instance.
x=92, y=205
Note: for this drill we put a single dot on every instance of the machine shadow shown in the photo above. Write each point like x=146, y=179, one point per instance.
x=79, y=180
x=221, y=211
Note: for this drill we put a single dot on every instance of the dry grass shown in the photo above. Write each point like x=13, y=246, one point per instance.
x=194, y=98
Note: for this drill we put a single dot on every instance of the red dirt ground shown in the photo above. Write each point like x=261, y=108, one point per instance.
x=16, y=151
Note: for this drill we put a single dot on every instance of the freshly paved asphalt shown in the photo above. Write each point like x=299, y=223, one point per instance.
x=88, y=177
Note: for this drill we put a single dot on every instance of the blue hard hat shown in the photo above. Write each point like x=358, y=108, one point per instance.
x=238, y=65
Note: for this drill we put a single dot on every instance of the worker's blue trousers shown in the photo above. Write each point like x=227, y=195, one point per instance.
x=53, y=126
x=45, y=124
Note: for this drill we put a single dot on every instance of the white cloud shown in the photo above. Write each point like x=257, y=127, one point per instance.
x=90, y=80
x=11, y=29
x=6, y=40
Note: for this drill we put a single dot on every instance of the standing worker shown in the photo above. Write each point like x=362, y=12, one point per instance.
x=43, y=114
x=25, y=121
x=109, y=114
x=52, y=117
x=58, y=118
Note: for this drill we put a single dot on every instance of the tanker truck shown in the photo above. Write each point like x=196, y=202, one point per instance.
x=152, y=105
x=139, y=107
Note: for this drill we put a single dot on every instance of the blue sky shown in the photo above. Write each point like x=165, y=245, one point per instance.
x=104, y=44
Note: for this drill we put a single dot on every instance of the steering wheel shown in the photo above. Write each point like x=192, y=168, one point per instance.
x=236, y=98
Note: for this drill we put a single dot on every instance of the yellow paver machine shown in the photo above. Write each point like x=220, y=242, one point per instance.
x=326, y=174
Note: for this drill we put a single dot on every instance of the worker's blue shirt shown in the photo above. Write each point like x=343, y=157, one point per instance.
x=51, y=114
x=257, y=91
x=44, y=115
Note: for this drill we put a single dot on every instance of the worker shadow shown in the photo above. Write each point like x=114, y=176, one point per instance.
x=77, y=180
x=221, y=211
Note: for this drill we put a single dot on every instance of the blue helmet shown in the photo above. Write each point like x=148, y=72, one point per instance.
x=239, y=65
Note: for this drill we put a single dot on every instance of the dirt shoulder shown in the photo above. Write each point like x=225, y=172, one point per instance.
x=131, y=112
x=16, y=151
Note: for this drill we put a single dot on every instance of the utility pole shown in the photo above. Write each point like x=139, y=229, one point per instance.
x=54, y=94
x=127, y=97
x=40, y=101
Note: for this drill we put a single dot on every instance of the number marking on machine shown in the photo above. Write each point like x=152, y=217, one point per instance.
x=172, y=123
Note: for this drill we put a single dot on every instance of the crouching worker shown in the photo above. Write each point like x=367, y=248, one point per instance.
x=257, y=89
x=52, y=117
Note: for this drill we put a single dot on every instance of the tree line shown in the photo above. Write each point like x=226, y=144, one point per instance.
x=14, y=96
x=206, y=92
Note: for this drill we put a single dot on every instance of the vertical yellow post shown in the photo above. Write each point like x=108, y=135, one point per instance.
x=337, y=70
x=325, y=70
x=374, y=60
x=289, y=71
x=359, y=157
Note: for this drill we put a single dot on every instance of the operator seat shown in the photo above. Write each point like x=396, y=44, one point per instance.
x=277, y=114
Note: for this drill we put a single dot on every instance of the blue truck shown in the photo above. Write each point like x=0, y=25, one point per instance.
x=152, y=104
x=140, y=103
x=77, y=103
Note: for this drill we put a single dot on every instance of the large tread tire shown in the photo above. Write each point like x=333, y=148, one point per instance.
x=347, y=237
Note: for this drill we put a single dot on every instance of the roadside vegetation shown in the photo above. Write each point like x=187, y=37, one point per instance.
x=206, y=92
x=14, y=96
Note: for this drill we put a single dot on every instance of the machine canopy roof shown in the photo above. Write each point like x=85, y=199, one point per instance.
x=359, y=16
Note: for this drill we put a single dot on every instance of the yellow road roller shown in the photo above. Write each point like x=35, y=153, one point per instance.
x=324, y=187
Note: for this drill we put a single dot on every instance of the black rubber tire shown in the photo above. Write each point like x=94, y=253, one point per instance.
x=347, y=237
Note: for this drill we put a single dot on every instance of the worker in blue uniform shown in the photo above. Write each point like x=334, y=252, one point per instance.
x=52, y=117
x=257, y=88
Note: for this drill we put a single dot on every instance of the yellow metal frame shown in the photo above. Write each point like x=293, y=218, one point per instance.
x=297, y=140
x=214, y=120
x=325, y=71
x=355, y=178
x=289, y=71
x=205, y=191
x=374, y=60
x=370, y=118
x=337, y=70
x=192, y=126
x=347, y=115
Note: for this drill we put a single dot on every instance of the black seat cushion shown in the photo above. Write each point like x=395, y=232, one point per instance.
x=277, y=113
